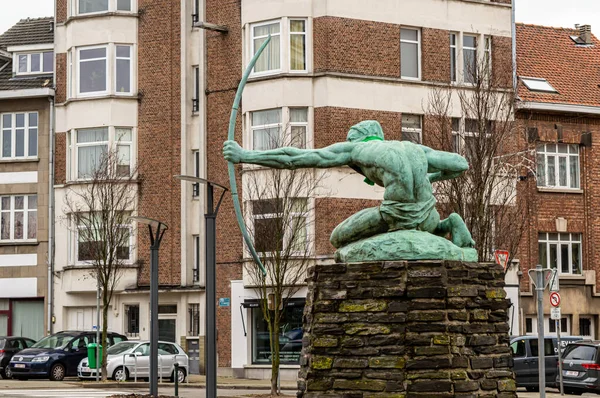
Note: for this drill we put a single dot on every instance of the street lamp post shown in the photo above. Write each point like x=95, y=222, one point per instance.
x=210, y=345
x=157, y=230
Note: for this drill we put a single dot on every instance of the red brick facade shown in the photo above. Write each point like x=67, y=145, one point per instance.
x=435, y=55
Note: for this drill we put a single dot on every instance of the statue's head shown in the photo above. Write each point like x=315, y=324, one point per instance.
x=365, y=130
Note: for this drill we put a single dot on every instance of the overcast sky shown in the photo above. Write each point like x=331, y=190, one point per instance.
x=542, y=12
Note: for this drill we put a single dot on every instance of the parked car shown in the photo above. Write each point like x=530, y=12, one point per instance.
x=9, y=346
x=525, y=356
x=130, y=358
x=581, y=368
x=56, y=356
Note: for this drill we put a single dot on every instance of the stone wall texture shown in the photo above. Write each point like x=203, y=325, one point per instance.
x=406, y=329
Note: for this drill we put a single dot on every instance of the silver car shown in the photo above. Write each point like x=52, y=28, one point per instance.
x=132, y=358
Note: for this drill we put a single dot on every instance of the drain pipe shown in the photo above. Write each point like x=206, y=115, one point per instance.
x=51, y=218
x=514, y=46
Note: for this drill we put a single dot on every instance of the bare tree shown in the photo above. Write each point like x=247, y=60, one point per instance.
x=99, y=213
x=499, y=157
x=279, y=205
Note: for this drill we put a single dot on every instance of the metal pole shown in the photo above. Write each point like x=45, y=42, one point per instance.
x=560, y=375
x=210, y=345
x=176, y=377
x=97, y=328
x=539, y=289
x=154, y=317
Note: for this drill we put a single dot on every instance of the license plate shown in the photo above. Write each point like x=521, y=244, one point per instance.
x=85, y=370
x=571, y=373
x=19, y=365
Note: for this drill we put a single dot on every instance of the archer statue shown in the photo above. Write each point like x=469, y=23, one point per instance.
x=406, y=171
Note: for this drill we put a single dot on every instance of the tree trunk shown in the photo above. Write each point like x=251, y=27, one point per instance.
x=104, y=332
x=275, y=353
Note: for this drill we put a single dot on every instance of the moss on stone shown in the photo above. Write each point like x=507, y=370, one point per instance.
x=363, y=306
x=387, y=362
x=363, y=329
x=441, y=339
x=325, y=342
x=321, y=362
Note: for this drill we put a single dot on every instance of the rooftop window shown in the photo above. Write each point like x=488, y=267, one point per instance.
x=535, y=84
x=34, y=63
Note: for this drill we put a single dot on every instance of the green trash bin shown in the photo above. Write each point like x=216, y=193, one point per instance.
x=91, y=350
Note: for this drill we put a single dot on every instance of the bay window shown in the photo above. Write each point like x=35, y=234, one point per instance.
x=19, y=138
x=558, y=166
x=93, y=240
x=279, y=127
x=96, y=76
x=18, y=218
x=560, y=251
x=98, y=6
x=288, y=42
x=280, y=224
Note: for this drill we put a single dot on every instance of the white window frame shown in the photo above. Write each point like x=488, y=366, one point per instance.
x=25, y=210
x=196, y=170
x=412, y=130
x=454, y=48
x=88, y=262
x=41, y=53
x=289, y=43
x=543, y=152
x=284, y=45
x=286, y=238
x=284, y=123
x=476, y=57
x=73, y=153
x=573, y=238
x=197, y=245
x=112, y=7
x=419, y=55
x=127, y=333
x=487, y=54
x=196, y=90
x=13, y=130
x=119, y=142
x=74, y=80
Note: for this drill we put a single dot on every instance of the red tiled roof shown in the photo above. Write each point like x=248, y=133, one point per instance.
x=550, y=53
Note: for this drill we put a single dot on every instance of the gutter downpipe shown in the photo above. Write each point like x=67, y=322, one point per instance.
x=514, y=46
x=51, y=198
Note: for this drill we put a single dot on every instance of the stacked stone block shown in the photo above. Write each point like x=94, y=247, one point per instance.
x=406, y=329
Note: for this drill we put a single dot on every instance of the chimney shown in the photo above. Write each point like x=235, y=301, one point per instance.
x=585, y=34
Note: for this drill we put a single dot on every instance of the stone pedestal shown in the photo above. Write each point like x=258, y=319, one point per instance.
x=406, y=329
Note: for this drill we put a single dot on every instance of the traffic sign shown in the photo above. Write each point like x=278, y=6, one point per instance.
x=555, y=299
x=554, y=282
x=547, y=276
x=555, y=313
x=502, y=258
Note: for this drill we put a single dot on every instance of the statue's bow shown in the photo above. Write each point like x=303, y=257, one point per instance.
x=231, y=166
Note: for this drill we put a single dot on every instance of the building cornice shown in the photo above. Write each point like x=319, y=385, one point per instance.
x=27, y=93
x=558, y=107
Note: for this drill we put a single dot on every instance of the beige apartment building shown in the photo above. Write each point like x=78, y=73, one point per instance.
x=26, y=98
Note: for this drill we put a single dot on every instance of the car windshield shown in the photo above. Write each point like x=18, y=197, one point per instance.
x=120, y=348
x=2, y=343
x=54, y=341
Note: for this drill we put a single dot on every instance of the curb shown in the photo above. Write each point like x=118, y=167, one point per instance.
x=183, y=385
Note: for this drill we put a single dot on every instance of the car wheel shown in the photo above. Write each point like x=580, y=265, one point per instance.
x=180, y=376
x=57, y=372
x=121, y=374
x=7, y=373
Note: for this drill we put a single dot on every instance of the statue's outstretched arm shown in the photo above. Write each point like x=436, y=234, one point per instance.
x=444, y=165
x=290, y=157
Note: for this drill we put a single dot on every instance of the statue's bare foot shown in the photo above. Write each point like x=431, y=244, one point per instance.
x=461, y=236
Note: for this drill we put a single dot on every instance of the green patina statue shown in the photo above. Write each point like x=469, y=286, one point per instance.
x=406, y=226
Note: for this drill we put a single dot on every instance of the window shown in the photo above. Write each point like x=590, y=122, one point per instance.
x=290, y=335
x=410, y=53
x=88, y=148
x=453, y=56
x=552, y=325
x=91, y=246
x=558, y=166
x=97, y=6
x=270, y=60
x=278, y=223
x=487, y=60
x=167, y=309
x=132, y=314
x=196, y=185
x=580, y=352
x=470, y=58
x=196, y=270
x=267, y=128
x=196, y=99
x=34, y=63
x=534, y=84
x=585, y=326
x=548, y=347
x=518, y=348
x=92, y=146
x=92, y=69
x=289, y=40
x=18, y=218
x=193, y=319
x=298, y=45
x=528, y=325
x=560, y=250
x=411, y=128
x=466, y=139
x=19, y=135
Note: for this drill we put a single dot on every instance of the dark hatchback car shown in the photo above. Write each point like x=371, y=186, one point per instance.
x=581, y=367
x=9, y=346
x=56, y=356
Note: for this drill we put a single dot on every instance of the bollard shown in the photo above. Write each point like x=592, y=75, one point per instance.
x=176, y=374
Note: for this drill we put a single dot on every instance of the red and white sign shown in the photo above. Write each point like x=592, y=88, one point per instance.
x=502, y=258
x=554, y=299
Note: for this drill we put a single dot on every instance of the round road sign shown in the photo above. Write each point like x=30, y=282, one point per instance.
x=554, y=299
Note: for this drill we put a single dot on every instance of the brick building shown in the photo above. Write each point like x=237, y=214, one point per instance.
x=330, y=65
x=559, y=108
x=127, y=79
x=26, y=98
